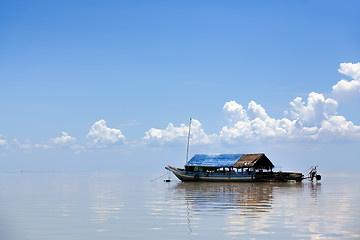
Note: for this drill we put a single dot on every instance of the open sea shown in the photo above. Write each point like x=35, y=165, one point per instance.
x=116, y=205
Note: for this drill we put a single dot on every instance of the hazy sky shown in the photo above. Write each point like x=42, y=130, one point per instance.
x=111, y=85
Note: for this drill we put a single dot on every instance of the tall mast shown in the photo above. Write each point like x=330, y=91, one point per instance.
x=187, y=151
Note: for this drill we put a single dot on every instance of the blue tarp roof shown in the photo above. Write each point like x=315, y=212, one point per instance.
x=214, y=160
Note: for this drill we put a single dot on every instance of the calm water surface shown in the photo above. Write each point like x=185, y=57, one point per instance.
x=124, y=206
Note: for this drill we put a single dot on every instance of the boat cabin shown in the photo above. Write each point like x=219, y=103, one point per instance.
x=214, y=163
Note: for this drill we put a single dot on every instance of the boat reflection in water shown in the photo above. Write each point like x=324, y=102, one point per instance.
x=246, y=208
x=248, y=198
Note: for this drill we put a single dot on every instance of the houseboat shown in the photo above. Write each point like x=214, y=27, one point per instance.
x=232, y=168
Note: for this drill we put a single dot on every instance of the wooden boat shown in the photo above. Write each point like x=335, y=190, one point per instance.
x=232, y=168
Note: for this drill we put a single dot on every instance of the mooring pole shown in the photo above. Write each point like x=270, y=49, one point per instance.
x=187, y=151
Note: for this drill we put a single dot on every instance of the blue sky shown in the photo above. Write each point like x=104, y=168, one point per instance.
x=94, y=85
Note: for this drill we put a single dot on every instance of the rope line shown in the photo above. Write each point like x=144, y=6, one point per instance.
x=158, y=177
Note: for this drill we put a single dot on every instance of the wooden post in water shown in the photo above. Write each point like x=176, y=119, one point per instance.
x=187, y=150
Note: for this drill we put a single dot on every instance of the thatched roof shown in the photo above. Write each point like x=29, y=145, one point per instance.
x=254, y=160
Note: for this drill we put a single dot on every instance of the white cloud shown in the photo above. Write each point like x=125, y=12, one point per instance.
x=100, y=133
x=257, y=111
x=254, y=124
x=235, y=112
x=172, y=134
x=350, y=69
x=346, y=90
x=314, y=119
x=64, y=139
x=3, y=141
x=43, y=146
x=26, y=145
x=315, y=111
x=338, y=126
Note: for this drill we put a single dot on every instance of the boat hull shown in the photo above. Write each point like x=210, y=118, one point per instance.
x=235, y=176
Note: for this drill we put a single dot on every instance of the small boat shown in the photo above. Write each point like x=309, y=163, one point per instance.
x=232, y=168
